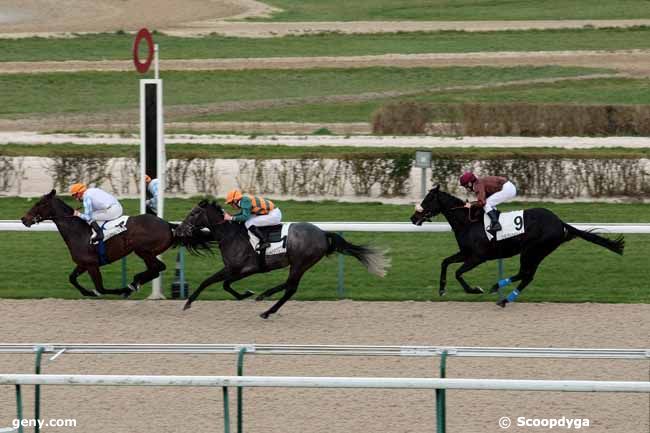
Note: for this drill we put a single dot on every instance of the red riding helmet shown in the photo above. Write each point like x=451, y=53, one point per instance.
x=467, y=178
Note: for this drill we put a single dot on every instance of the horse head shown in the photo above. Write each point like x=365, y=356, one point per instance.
x=46, y=208
x=428, y=208
x=203, y=215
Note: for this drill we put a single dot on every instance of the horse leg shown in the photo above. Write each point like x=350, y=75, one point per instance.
x=503, y=283
x=271, y=291
x=456, y=258
x=465, y=267
x=154, y=269
x=290, y=287
x=73, y=280
x=228, y=288
x=530, y=260
x=96, y=276
x=219, y=276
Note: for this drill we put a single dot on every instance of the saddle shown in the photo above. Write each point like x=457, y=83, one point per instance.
x=277, y=237
x=110, y=229
x=512, y=224
x=114, y=227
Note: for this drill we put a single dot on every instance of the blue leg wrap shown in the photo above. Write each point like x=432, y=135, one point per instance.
x=504, y=282
x=513, y=295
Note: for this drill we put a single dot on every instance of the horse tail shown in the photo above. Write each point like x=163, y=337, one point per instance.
x=373, y=259
x=617, y=244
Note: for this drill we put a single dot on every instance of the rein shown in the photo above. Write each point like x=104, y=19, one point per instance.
x=469, y=213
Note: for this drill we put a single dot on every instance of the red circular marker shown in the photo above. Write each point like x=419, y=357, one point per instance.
x=142, y=67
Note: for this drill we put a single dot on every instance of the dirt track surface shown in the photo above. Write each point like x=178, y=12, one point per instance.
x=632, y=62
x=43, y=17
x=30, y=138
x=136, y=409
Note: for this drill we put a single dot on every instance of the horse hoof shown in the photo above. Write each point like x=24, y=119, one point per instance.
x=479, y=289
x=247, y=294
x=502, y=303
x=442, y=292
x=187, y=306
x=265, y=315
x=259, y=298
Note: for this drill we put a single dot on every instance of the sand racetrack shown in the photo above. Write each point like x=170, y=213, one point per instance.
x=116, y=410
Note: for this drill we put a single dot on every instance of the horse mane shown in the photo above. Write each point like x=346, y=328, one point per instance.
x=66, y=207
x=451, y=197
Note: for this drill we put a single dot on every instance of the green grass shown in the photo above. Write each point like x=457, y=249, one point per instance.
x=36, y=265
x=118, y=46
x=99, y=91
x=450, y=10
x=597, y=91
x=188, y=151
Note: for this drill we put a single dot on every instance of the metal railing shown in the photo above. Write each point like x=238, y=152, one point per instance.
x=439, y=385
x=443, y=352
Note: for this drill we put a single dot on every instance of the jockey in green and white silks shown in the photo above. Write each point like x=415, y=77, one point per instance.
x=254, y=212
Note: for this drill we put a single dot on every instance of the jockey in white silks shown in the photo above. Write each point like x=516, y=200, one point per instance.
x=99, y=207
x=152, y=189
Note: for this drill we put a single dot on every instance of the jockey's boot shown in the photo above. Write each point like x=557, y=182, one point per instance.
x=99, y=234
x=264, y=243
x=495, y=226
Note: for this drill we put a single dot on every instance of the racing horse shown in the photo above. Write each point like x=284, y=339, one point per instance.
x=306, y=244
x=146, y=235
x=544, y=232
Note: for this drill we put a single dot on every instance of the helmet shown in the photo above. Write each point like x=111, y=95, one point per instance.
x=147, y=179
x=467, y=178
x=233, y=196
x=78, y=189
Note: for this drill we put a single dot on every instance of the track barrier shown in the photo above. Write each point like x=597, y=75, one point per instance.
x=240, y=381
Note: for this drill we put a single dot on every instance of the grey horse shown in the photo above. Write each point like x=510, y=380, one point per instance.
x=306, y=245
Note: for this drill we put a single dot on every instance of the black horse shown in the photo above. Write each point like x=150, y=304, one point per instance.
x=306, y=245
x=146, y=235
x=544, y=232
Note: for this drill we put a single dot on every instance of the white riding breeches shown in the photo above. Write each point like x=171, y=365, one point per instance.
x=110, y=213
x=270, y=219
x=508, y=192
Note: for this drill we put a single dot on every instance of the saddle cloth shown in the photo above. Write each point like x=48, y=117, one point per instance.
x=277, y=236
x=114, y=227
x=512, y=224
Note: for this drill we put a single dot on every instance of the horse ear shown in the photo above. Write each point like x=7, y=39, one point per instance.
x=436, y=187
x=52, y=193
x=202, y=203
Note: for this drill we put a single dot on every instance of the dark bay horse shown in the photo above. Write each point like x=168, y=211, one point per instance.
x=306, y=245
x=544, y=232
x=146, y=235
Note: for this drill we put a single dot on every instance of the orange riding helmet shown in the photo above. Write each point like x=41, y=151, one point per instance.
x=233, y=196
x=78, y=189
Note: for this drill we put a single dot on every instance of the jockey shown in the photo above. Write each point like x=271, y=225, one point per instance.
x=490, y=191
x=99, y=207
x=254, y=212
x=152, y=189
